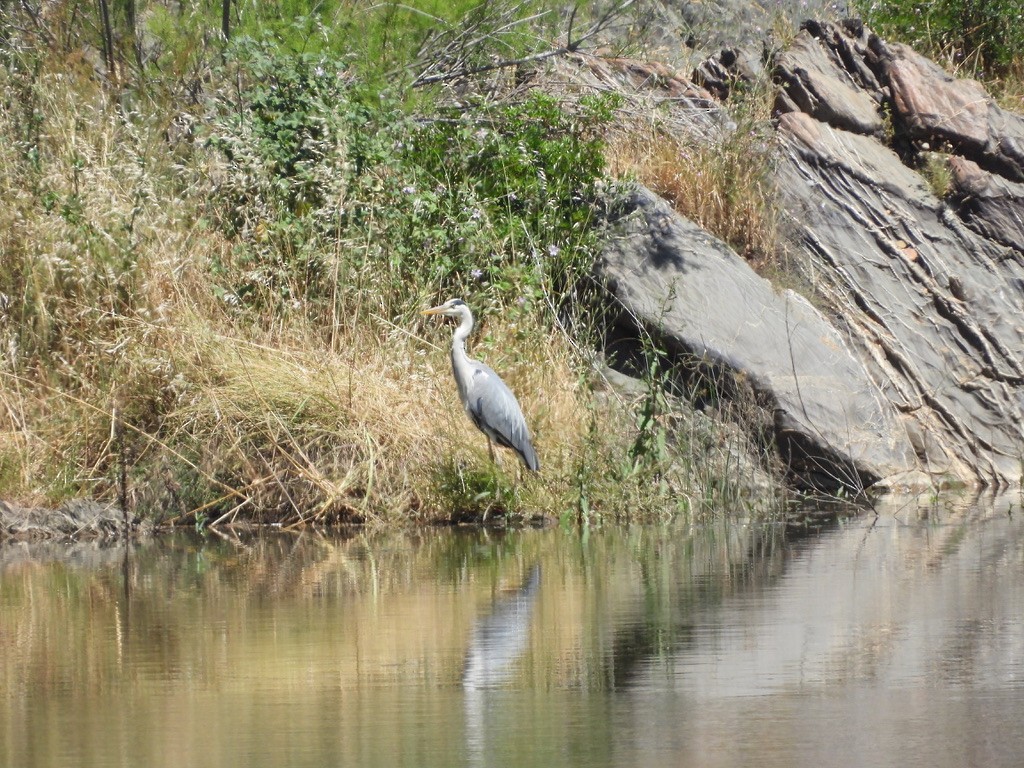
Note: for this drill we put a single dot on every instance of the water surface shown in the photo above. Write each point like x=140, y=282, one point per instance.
x=857, y=641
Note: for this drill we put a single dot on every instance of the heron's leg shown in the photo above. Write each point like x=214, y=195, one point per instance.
x=497, y=464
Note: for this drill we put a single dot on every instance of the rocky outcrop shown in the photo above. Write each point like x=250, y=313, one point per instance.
x=930, y=294
x=932, y=106
x=927, y=303
x=913, y=373
x=811, y=84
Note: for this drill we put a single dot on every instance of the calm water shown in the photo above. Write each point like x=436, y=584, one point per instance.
x=863, y=641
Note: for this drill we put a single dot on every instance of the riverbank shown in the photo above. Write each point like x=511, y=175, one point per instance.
x=216, y=255
x=80, y=519
x=212, y=299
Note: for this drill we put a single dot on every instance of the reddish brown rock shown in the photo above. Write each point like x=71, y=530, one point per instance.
x=933, y=106
x=989, y=204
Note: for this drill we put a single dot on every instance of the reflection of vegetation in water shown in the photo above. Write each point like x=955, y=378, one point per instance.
x=303, y=642
x=371, y=596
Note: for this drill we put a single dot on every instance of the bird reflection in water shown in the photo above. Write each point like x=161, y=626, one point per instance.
x=497, y=642
x=500, y=637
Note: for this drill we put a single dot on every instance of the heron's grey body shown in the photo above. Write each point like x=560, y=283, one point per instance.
x=489, y=402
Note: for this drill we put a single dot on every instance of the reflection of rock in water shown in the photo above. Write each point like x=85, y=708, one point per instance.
x=500, y=638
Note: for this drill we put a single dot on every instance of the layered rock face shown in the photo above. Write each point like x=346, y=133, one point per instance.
x=911, y=372
x=931, y=293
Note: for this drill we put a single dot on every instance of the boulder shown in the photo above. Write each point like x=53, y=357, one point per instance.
x=904, y=366
x=716, y=318
x=720, y=73
x=932, y=106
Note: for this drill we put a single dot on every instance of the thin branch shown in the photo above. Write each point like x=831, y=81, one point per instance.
x=37, y=22
x=503, y=29
x=460, y=70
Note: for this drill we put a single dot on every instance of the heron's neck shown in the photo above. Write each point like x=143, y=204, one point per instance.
x=462, y=332
x=460, y=359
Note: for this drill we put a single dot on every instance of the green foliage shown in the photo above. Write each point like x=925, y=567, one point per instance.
x=523, y=177
x=388, y=38
x=385, y=43
x=935, y=169
x=331, y=183
x=988, y=31
x=283, y=139
x=648, y=451
x=474, y=493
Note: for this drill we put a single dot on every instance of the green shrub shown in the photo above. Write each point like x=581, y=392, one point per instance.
x=329, y=185
x=990, y=32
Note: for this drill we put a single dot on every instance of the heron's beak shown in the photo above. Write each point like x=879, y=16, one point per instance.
x=433, y=310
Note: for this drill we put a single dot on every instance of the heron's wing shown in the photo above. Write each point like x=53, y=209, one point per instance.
x=495, y=410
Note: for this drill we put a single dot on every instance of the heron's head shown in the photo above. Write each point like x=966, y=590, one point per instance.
x=451, y=308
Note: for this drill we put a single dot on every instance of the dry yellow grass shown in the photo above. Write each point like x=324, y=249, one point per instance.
x=290, y=422
x=364, y=428
x=274, y=425
x=721, y=181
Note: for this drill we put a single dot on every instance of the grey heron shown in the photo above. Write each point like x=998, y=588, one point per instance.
x=489, y=402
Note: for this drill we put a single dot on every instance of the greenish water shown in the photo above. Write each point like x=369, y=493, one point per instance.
x=857, y=641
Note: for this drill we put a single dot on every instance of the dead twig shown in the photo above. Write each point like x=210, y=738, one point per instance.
x=35, y=15
x=452, y=59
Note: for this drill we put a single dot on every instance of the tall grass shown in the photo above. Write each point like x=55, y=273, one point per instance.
x=983, y=37
x=980, y=39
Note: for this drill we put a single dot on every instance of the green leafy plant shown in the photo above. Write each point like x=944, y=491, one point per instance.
x=474, y=493
x=986, y=33
x=328, y=183
x=935, y=169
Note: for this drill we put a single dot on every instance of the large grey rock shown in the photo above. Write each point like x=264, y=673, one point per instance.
x=713, y=24
x=931, y=296
x=713, y=313
x=914, y=374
